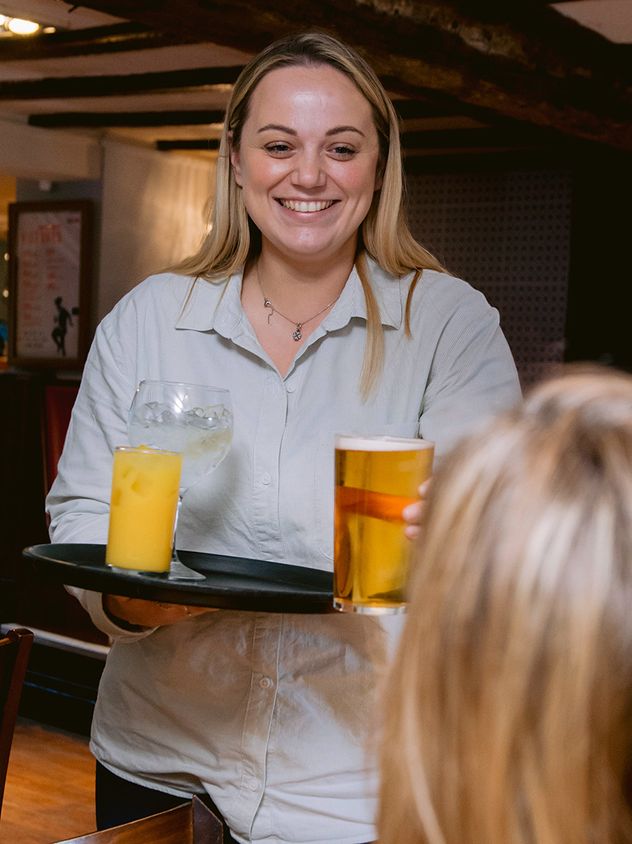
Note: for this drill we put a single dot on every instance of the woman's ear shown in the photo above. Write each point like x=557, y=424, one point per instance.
x=234, y=159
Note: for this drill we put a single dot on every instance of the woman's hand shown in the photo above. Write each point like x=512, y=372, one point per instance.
x=140, y=613
x=413, y=514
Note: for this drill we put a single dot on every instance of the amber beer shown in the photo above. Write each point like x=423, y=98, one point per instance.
x=376, y=477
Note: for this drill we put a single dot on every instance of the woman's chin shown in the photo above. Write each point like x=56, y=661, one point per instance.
x=313, y=249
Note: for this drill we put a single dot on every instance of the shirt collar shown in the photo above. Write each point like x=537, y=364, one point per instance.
x=213, y=305
x=352, y=302
x=217, y=305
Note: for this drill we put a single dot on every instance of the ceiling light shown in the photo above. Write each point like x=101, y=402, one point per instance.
x=49, y=29
x=20, y=26
x=3, y=20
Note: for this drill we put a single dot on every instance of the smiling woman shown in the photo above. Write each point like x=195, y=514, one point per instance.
x=312, y=302
x=300, y=117
x=308, y=182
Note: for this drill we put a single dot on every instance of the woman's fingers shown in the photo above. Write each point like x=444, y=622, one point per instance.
x=413, y=513
x=425, y=488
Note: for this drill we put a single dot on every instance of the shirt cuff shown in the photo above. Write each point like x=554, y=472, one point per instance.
x=93, y=602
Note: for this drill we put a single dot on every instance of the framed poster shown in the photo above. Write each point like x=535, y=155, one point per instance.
x=50, y=262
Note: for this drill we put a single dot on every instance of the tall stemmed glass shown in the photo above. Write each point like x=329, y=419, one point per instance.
x=192, y=419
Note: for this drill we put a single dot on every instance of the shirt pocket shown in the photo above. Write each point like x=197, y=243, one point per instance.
x=410, y=430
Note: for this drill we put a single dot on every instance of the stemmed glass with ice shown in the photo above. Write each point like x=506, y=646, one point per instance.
x=191, y=419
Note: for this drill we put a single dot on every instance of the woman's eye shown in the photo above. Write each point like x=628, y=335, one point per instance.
x=342, y=151
x=277, y=148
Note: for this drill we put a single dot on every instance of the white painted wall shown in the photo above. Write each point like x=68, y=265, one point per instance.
x=153, y=214
x=27, y=152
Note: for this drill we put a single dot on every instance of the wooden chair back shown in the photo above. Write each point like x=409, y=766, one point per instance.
x=191, y=823
x=15, y=647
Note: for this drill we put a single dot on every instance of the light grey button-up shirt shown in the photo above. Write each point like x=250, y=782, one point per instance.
x=272, y=714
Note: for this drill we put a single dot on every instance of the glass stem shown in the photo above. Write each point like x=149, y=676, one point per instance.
x=174, y=553
x=177, y=569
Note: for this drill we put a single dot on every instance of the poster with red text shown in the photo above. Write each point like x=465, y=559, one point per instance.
x=48, y=266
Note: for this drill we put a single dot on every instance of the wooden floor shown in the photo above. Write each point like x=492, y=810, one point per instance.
x=49, y=795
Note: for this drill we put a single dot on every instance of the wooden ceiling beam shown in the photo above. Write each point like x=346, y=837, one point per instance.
x=101, y=120
x=121, y=84
x=525, y=137
x=204, y=145
x=195, y=117
x=521, y=60
x=117, y=38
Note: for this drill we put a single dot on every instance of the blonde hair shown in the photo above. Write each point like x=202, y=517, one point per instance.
x=233, y=240
x=509, y=719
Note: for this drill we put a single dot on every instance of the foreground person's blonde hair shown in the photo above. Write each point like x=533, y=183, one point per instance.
x=509, y=714
x=233, y=240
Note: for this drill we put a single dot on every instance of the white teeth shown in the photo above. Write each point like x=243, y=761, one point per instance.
x=306, y=207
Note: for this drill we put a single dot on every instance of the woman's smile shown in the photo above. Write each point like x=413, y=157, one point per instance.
x=306, y=207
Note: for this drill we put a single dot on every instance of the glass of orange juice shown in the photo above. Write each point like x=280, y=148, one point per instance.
x=145, y=483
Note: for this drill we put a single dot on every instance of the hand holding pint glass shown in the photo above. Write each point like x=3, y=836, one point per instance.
x=376, y=477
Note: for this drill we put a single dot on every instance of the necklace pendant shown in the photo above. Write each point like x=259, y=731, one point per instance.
x=298, y=334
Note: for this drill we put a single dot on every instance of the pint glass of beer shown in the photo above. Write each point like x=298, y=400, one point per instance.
x=376, y=477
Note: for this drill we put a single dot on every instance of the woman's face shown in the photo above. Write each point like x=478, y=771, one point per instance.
x=307, y=162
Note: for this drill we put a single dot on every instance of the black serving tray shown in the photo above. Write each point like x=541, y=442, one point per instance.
x=235, y=583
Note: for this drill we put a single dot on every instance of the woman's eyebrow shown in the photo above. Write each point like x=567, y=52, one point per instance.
x=337, y=129
x=277, y=127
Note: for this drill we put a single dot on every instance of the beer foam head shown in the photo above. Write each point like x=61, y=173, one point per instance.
x=355, y=443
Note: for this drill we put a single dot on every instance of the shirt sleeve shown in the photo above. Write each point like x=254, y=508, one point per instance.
x=79, y=499
x=473, y=375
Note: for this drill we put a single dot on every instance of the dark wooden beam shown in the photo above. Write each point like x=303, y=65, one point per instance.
x=187, y=144
x=97, y=119
x=510, y=138
x=121, y=84
x=411, y=109
x=117, y=38
x=521, y=60
x=92, y=119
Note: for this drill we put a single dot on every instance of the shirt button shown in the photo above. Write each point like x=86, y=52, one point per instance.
x=266, y=478
x=265, y=682
x=290, y=388
x=252, y=783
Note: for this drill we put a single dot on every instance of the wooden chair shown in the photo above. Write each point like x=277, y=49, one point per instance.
x=15, y=647
x=191, y=823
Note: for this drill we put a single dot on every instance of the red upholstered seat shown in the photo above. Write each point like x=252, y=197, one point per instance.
x=58, y=402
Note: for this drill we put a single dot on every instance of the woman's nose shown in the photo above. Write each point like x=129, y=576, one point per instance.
x=308, y=171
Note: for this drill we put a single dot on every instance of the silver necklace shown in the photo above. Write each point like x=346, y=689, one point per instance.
x=297, y=334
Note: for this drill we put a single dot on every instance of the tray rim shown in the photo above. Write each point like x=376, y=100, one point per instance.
x=95, y=576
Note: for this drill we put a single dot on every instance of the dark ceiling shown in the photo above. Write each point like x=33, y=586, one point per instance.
x=480, y=76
